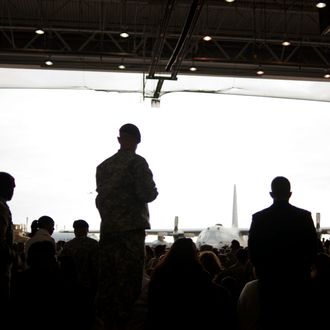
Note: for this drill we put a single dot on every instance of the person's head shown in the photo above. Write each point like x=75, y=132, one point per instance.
x=34, y=227
x=281, y=189
x=80, y=228
x=47, y=223
x=210, y=262
x=182, y=252
x=129, y=137
x=7, y=185
x=235, y=245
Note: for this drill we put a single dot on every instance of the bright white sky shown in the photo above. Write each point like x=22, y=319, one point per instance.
x=197, y=146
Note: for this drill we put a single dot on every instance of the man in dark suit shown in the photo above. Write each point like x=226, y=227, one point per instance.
x=282, y=246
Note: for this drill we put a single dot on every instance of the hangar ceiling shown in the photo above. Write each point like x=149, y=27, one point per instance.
x=166, y=37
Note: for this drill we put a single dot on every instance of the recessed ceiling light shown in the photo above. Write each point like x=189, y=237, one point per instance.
x=321, y=4
x=286, y=43
x=193, y=68
x=230, y=0
x=39, y=31
x=49, y=62
x=260, y=72
x=207, y=38
x=121, y=67
x=327, y=75
x=124, y=35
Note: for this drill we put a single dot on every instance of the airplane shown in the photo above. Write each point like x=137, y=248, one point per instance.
x=216, y=235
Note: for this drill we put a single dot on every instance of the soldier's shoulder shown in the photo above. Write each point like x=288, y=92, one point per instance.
x=108, y=160
x=139, y=158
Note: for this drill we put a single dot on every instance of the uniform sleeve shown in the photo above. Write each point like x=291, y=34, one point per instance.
x=145, y=186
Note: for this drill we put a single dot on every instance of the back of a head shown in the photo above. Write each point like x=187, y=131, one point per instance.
x=281, y=188
x=235, y=244
x=210, y=262
x=7, y=184
x=131, y=131
x=183, y=250
x=46, y=222
x=80, y=227
x=80, y=224
x=34, y=228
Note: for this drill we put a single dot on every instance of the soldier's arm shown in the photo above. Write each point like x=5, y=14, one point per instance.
x=144, y=184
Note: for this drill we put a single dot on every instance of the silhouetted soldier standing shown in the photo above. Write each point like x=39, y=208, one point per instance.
x=124, y=185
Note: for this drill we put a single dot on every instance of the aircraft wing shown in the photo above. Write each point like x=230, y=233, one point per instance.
x=324, y=230
x=188, y=232
x=243, y=231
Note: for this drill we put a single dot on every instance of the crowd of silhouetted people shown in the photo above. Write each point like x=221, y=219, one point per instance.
x=280, y=280
x=54, y=286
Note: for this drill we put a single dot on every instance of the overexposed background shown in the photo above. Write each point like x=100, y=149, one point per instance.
x=197, y=146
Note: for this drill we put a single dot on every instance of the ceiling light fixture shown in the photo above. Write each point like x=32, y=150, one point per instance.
x=207, y=38
x=229, y=0
x=39, y=31
x=260, y=72
x=193, y=68
x=121, y=67
x=327, y=76
x=124, y=35
x=321, y=4
x=49, y=62
x=286, y=43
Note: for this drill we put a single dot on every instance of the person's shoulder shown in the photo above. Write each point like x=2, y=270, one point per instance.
x=70, y=243
x=91, y=240
x=139, y=161
x=300, y=210
x=139, y=158
x=262, y=212
x=106, y=161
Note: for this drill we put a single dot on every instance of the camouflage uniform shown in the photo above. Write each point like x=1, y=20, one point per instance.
x=84, y=252
x=125, y=185
x=6, y=250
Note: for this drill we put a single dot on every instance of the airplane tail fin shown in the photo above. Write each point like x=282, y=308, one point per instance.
x=176, y=224
x=318, y=225
x=235, y=216
x=318, y=221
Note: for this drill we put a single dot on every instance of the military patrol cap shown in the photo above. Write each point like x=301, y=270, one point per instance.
x=80, y=224
x=132, y=130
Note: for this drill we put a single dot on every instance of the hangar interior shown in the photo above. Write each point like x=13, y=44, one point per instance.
x=168, y=43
